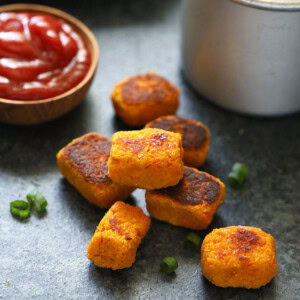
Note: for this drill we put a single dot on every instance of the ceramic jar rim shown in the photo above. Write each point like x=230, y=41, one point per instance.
x=281, y=5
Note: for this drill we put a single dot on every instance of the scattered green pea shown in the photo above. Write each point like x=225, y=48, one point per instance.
x=20, y=209
x=192, y=241
x=37, y=201
x=168, y=264
x=237, y=175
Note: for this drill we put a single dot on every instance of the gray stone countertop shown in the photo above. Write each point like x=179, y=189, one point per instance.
x=45, y=258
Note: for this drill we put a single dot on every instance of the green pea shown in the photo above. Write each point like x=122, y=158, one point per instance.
x=168, y=264
x=237, y=175
x=37, y=201
x=192, y=241
x=20, y=209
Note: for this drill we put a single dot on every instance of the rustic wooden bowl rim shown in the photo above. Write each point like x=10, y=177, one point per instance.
x=83, y=30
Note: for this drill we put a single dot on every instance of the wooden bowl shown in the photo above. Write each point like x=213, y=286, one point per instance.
x=20, y=112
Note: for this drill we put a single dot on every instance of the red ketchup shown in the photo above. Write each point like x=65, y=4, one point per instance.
x=41, y=56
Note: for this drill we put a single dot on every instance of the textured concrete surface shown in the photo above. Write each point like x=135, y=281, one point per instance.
x=44, y=258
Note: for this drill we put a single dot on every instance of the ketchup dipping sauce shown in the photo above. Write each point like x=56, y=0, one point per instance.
x=41, y=56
